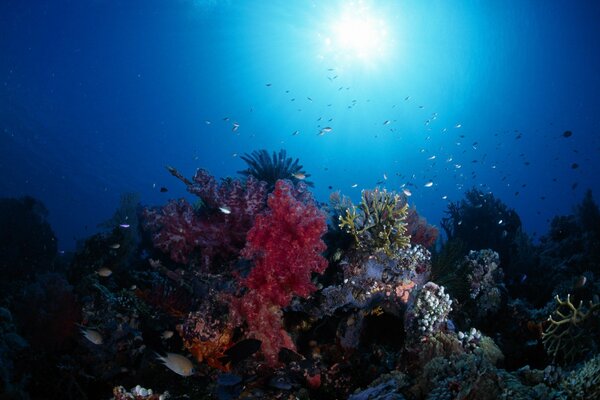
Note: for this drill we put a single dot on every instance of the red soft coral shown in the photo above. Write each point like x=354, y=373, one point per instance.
x=285, y=244
x=419, y=230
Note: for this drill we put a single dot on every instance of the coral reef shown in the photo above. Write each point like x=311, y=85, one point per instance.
x=378, y=223
x=256, y=306
x=270, y=169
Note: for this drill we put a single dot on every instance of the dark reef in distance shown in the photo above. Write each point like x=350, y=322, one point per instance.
x=256, y=291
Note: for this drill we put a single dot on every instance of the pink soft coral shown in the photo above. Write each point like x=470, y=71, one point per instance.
x=177, y=229
x=217, y=236
x=285, y=244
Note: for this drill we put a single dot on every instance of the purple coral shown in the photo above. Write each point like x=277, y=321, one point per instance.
x=217, y=231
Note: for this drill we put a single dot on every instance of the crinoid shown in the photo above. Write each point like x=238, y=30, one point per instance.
x=270, y=169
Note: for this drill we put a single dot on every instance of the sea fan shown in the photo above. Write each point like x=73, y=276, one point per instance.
x=270, y=169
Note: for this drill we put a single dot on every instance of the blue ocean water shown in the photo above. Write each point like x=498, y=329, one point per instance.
x=97, y=97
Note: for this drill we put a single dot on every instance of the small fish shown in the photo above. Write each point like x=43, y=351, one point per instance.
x=207, y=122
x=444, y=197
x=523, y=278
x=299, y=175
x=429, y=184
x=567, y=134
x=235, y=127
x=431, y=158
x=124, y=226
x=104, y=272
x=115, y=246
x=268, y=84
x=92, y=335
x=500, y=222
x=177, y=363
x=386, y=122
x=295, y=133
x=458, y=125
x=309, y=99
x=384, y=177
x=225, y=210
x=355, y=185
x=406, y=192
x=580, y=282
x=574, y=166
x=327, y=129
x=164, y=190
x=167, y=335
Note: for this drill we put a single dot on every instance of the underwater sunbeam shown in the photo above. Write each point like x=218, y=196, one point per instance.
x=357, y=33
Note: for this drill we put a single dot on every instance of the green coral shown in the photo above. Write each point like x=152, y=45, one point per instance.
x=378, y=222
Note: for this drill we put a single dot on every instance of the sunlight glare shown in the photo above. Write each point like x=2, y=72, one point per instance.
x=358, y=34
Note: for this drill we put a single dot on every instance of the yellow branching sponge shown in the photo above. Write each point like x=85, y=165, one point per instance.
x=567, y=336
x=378, y=223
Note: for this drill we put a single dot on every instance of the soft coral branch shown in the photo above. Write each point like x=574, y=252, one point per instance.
x=285, y=244
x=180, y=230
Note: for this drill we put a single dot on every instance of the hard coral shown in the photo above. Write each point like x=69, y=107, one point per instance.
x=429, y=312
x=378, y=223
x=285, y=244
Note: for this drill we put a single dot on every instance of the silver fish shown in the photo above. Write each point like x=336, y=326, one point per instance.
x=177, y=363
x=92, y=335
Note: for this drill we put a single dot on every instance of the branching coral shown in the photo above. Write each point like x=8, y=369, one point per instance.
x=568, y=336
x=285, y=245
x=378, y=224
x=270, y=169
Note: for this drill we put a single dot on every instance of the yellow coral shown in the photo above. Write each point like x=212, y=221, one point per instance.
x=378, y=223
x=567, y=336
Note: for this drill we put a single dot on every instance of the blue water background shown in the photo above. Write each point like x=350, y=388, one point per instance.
x=97, y=97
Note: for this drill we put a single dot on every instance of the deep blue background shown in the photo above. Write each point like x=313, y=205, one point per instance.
x=96, y=97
